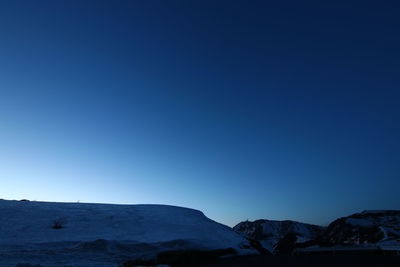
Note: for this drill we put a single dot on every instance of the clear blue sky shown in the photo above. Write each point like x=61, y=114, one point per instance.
x=242, y=109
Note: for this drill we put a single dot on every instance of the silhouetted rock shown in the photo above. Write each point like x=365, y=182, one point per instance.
x=286, y=244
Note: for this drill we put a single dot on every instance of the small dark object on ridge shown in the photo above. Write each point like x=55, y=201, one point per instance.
x=25, y=200
x=59, y=224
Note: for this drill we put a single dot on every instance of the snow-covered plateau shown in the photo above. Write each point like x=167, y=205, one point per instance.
x=88, y=235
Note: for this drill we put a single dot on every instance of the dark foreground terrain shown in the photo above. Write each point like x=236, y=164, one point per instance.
x=309, y=261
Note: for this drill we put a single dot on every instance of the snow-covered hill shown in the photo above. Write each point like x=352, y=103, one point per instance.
x=79, y=234
x=270, y=232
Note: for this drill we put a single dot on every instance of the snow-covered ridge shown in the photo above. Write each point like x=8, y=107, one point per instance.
x=135, y=230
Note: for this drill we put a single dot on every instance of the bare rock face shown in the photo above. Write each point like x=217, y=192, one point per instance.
x=364, y=228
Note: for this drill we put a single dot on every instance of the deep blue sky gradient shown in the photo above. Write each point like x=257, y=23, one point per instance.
x=243, y=109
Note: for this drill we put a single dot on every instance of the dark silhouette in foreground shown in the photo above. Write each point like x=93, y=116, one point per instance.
x=183, y=258
x=308, y=261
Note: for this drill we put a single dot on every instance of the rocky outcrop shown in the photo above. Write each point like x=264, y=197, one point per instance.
x=364, y=228
x=379, y=228
x=271, y=233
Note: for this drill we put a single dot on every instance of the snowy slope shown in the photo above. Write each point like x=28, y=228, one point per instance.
x=103, y=234
x=270, y=232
